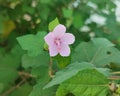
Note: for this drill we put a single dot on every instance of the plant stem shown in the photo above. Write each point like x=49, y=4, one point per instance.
x=50, y=68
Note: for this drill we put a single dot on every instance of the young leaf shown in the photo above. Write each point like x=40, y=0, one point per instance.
x=53, y=24
x=32, y=43
x=88, y=82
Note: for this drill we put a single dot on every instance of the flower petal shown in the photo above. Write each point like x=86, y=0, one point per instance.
x=59, y=30
x=65, y=50
x=68, y=38
x=53, y=50
x=49, y=39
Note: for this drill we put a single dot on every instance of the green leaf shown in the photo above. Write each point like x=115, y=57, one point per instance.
x=28, y=9
x=68, y=72
x=42, y=59
x=78, y=21
x=44, y=12
x=62, y=61
x=99, y=51
x=38, y=73
x=118, y=90
x=112, y=27
x=9, y=63
x=32, y=43
x=1, y=87
x=53, y=24
x=41, y=74
x=88, y=82
x=39, y=91
x=23, y=90
x=42, y=77
x=67, y=13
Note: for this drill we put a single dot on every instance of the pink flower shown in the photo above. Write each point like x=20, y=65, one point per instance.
x=58, y=41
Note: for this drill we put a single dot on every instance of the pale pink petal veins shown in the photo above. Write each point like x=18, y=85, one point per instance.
x=49, y=39
x=53, y=50
x=68, y=38
x=59, y=30
x=65, y=50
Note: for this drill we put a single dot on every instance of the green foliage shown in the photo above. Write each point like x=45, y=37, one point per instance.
x=67, y=13
x=97, y=1
x=62, y=61
x=85, y=83
x=32, y=43
x=24, y=90
x=94, y=60
x=1, y=87
x=9, y=64
x=1, y=24
x=46, y=1
x=118, y=90
x=77, y=20
x=39, y=91
x=36, y=61
x=68, y=72
x=99, y=52
x=52, y=24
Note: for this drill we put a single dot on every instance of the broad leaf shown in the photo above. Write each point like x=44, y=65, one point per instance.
x=77, y=20
x=42, y=78
x=32, y=43
x=42, y=59
x=8, y=65
x=88, y=82
x=39, y=91
x=38, y=74
x=99, y=52
x=68, y=72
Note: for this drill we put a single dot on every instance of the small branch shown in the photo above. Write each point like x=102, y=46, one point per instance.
x=117, y=72
x=114, y=78
x=24, y=76
x=14, y=88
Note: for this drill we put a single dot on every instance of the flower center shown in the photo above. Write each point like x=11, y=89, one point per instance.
x=58, y=43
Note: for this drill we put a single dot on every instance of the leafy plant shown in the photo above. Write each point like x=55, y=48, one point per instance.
x=59, y=48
